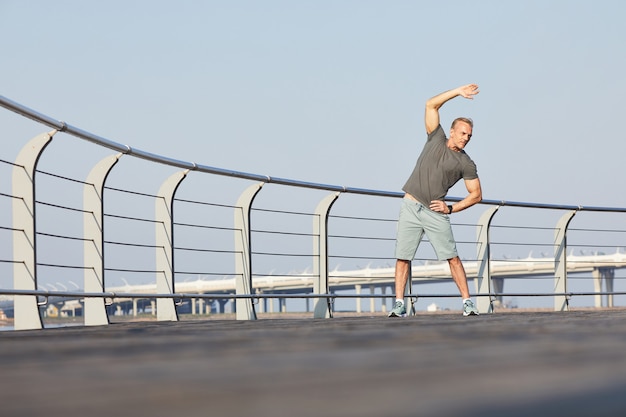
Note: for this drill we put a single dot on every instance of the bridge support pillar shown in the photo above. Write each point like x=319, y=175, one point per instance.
x=261, y=302
x=383, y=301
x=357, y=290
x=608, y=281
x=608, y=275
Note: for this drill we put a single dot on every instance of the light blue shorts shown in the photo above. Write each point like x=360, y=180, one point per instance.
x=416, y=219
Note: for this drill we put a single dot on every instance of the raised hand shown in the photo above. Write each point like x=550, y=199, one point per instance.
x=469, y=91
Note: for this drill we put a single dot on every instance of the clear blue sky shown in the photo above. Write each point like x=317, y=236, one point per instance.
x=333, y=91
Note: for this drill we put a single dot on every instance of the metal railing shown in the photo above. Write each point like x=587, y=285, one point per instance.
x=244, y=239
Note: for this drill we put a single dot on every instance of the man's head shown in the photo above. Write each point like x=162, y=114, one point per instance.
x=460, y=132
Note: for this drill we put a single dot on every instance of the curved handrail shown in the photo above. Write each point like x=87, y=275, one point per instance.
x=192, y=166
x=62, y=126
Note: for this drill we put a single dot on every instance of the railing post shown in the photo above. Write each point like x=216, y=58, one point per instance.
x=320, y=251
x=483, y=276
x=243, y=263
x=561, y=302
x=164, y=237
x=26, y=309
x=93, y=224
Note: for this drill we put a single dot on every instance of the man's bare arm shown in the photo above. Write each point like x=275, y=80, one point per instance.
x=475, y=195
x=431, y=116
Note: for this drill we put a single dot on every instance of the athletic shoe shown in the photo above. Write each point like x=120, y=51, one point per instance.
x=399, y=310
x=469, y=309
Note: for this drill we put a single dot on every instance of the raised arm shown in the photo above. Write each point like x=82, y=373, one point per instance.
x=431, y=116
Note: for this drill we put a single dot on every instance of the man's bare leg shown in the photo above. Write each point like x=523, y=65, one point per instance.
x=458, y=275
x=401, y=278
x=460, y=279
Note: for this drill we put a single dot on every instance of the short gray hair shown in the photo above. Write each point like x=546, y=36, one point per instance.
x=462, y=119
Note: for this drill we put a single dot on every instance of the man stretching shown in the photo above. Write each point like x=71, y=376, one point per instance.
x=442, y=163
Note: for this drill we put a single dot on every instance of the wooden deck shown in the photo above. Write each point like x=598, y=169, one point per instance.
x=518, y=363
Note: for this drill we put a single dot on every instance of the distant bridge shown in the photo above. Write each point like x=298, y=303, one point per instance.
x=429, y=272
x=602, y=267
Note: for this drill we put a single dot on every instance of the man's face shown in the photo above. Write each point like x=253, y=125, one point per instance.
x=460, y=134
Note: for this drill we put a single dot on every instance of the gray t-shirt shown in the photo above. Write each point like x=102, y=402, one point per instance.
x=437, y=169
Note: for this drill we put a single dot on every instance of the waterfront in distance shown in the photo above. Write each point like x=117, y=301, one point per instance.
x=514, y=363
